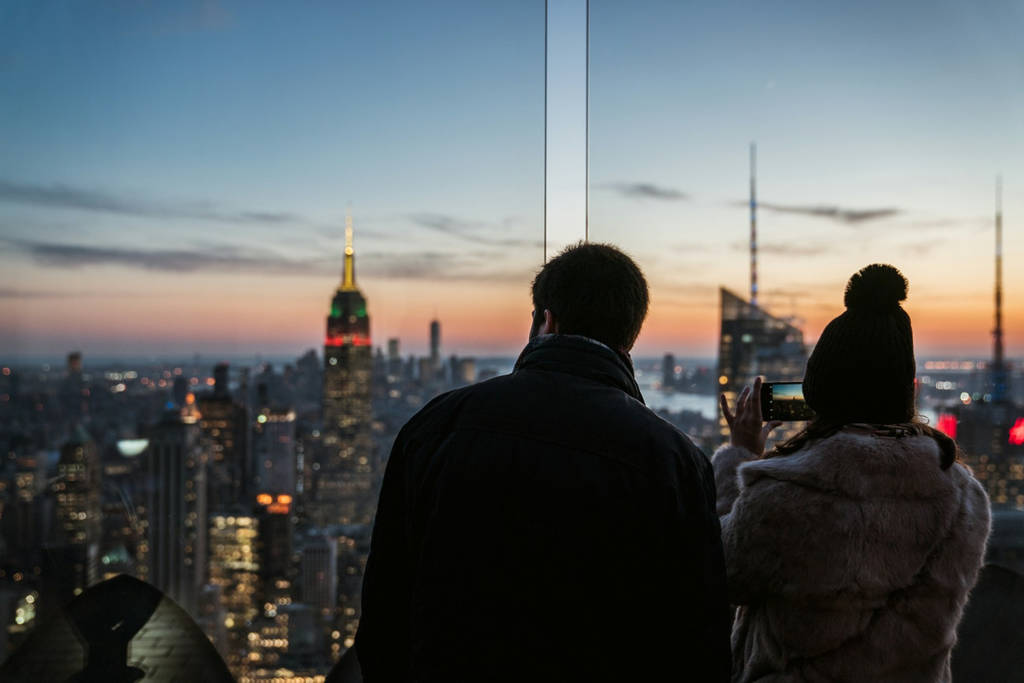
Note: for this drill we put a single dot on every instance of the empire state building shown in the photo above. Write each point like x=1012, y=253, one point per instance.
x=344, y=475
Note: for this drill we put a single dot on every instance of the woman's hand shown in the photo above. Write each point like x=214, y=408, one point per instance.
x=745, y=425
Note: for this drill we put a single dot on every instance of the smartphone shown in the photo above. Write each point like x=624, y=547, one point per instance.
x=784, y=401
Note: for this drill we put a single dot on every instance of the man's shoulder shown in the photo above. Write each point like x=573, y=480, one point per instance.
x=440, y=409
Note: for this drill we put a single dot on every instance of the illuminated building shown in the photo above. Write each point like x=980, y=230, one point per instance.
x=989, y=435
x=273, y=451
x=463, y=371
x=122, y=506
x=210, y=617
x=235, y=569
x=753, y=343
x=77, y=492
x=23, y=513
x=19, y=612
x=353, y=550
x=319, y=574
x=274, y=522
x=343, y=483
x=224, y=425
x=268, y=637
x=990, y=426
x=289, y=651
x=175, y=548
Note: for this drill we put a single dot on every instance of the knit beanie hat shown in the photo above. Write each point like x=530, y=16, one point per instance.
x=862, y=368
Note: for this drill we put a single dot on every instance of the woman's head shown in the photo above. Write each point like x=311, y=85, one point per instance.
x=862, y=368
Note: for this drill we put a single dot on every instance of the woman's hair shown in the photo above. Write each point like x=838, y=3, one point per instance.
x=822, y=429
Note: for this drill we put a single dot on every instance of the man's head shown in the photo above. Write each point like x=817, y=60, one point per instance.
x=593, y=290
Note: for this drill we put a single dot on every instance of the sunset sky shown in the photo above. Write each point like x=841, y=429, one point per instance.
x=174, y=176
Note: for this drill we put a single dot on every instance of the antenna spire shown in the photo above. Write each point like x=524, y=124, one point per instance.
x=999, y=374
x=348, y=275
x=753, y=224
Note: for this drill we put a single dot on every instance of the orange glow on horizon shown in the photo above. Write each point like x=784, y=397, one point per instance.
x=477, y=318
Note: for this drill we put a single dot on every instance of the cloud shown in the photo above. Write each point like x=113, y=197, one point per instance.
x=828, y=211
x=61, y=196
x=438, y=266
x=647, y=191
x=848, y=216
x=10, y=293
x=225, y=259
x=471, y=231
x=429, y=265
x=783, y=249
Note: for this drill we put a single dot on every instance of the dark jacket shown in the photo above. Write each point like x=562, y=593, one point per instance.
x=546, y=526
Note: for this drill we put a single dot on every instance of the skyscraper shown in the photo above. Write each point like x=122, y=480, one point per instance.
x=344, y=474
x=176, y=509
x=394, y=358
x=319, y=575
x=273, y=449
x=78, y=495
x=435, y=343
x=225, y=430
x=990, y=427
x=754, y=343
x=234, y=568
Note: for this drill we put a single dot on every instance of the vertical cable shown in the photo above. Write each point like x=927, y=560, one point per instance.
x=586, y=144
x=753, y=224
x=545, y=131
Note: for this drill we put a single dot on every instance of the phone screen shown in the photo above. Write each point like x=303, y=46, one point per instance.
x=784, y=401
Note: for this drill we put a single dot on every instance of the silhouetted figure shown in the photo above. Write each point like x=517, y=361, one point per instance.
x=850, y=548
x=546, y=525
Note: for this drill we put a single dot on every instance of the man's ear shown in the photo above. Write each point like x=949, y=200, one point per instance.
x=550, y=325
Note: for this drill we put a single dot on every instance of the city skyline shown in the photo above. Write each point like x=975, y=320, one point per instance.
x=173, y=186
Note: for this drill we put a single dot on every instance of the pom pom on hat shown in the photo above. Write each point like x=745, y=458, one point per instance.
x=877, y=287
x=862, y=368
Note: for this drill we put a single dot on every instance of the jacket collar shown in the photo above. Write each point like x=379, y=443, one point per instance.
x=583, y=357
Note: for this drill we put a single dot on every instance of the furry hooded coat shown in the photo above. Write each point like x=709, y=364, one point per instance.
x=850, y=560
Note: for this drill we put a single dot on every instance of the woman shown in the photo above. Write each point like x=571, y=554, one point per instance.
x=851, y=548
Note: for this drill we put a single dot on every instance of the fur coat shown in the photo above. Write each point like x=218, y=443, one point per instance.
x=850, y=560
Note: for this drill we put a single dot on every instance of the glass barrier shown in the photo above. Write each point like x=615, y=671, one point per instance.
x=199, y=387
x=242, y=245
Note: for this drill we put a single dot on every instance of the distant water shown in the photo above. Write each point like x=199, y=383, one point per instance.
x=656, y=399
x=675, y=402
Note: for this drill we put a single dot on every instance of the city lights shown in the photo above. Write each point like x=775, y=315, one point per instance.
x=1017, y=432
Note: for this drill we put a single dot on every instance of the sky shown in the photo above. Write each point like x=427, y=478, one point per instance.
x=174, y=177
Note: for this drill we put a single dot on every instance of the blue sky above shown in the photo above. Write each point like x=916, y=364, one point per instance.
x=195, y=160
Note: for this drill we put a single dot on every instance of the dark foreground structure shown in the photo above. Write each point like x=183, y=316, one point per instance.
x=119, y=631
x=126, y=630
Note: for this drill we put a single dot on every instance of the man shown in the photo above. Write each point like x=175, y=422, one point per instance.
x=546, y=525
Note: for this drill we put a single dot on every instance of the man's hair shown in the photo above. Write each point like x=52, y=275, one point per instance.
x=593, y=290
